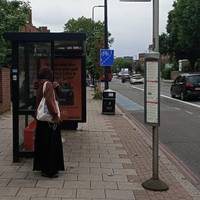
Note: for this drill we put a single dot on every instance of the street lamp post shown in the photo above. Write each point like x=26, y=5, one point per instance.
x=106, y=41
x=105, y=37
x=98, y=6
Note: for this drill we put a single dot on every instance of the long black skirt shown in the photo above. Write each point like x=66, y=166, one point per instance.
x=48, y=151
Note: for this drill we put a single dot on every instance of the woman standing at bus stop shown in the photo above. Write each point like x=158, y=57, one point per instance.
x=48, y=152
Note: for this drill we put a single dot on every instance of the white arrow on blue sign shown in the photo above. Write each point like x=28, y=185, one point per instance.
x=106, y=57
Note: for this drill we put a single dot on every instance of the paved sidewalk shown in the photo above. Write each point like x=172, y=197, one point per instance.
x=106, y=158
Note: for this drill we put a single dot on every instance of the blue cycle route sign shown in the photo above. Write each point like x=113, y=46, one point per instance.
x=106, y=57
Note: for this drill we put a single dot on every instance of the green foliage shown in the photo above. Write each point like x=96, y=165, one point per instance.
x=183, y=30
x=166, y=73
x=95, y=39
x=164, y=44
x=197, y=65
x=98, y=95
x=13, y=15
x=120, y=63
x=139, y=68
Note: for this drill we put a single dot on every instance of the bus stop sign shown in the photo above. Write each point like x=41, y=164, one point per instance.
x=106, y=57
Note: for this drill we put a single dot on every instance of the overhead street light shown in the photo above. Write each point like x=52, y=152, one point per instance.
x=136, y=0
x=98, y=6
x=105, y=37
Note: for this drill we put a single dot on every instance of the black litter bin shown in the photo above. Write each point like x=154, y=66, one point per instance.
x=108, y=103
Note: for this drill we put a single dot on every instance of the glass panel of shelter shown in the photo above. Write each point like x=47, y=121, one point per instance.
x=31, y=55
x=68, y=73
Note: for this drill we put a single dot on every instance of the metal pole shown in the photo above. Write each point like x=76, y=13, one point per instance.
x=106, y=41
x=93, y=81
x=156, y=25
x=99, y=6
x=155, y=183
x=156, y=49
x=93, y=13
x=155, y=146
x=106, y=25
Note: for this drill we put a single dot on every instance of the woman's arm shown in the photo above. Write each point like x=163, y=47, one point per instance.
x=50, y=101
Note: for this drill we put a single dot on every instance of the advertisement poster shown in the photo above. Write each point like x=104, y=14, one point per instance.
x=67, y=72
x=152, y=99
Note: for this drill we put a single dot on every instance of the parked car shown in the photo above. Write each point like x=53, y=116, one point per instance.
x=125, y=77
x=119, y=74
x=186, y=86
x=114, y=75
x=136, y=78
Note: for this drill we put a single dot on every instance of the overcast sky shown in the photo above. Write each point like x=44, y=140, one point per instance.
x=129, y=23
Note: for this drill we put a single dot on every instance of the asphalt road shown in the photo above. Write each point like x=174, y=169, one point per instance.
x=180, y=121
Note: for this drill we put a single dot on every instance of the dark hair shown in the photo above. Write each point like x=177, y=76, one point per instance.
x=45, y=73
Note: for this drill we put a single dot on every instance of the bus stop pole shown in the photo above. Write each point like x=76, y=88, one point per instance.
x=155, y=183
x=155, y=153
x=155, y=128
x=156, y=25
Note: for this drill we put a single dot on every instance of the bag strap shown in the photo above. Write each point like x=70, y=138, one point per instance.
x=44, y=87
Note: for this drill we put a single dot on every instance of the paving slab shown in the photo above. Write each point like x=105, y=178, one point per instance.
x=107, y=158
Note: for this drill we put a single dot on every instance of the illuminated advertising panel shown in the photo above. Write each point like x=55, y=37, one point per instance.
x=67, y=72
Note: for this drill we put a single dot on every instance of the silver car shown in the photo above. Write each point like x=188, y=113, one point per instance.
x=136, y=78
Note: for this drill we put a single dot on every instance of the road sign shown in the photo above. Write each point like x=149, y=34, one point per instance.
x=152, y=81
x=106, y=57
x=151, y=92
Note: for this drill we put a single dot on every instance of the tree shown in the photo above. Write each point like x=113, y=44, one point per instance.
x=95, y=39
x=13, y=15
x=183, y=30
x=164, y=44
x=120, y=63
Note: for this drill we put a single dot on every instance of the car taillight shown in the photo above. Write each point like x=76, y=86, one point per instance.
x=188, y=85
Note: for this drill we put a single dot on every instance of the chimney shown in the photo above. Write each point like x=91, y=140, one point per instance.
x=43, y=29
x=30, y=17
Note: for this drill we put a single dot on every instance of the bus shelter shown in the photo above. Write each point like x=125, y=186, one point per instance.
x=64, y=53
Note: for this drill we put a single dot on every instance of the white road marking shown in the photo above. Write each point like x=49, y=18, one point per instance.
x=176, y=108
x=167, y=97
x=137, y=88
x=190, y=113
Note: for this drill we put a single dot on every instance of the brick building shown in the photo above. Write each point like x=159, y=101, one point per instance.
x=5, y=100
x=4, y=89
x=29, y=27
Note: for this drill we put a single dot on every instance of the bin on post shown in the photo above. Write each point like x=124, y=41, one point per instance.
x=108, y=102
